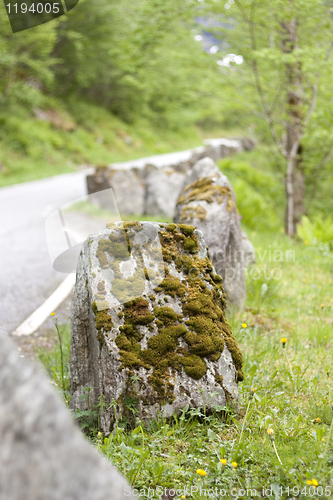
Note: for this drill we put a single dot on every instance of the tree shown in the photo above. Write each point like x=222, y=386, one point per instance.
x=135, y=58
x=286, y=46
x=25, y=64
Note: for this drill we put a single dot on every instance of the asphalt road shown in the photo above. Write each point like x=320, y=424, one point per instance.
x=27, y=277
x=26, y=271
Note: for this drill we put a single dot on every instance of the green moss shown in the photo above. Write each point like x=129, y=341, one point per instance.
x=194, y=366
x=150, y=274
x=179, y=241
x=171, y=227
x=172, y=286
x=167, y=315
x=102, y=258
x=190, y=245
x=103, y=322
x=186, y=229
x=137, y=313
x=133, y=286
x=202, y=326
x=194, y=212
x=204, y=189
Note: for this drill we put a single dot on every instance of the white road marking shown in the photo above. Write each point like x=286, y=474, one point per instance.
x=37, y=318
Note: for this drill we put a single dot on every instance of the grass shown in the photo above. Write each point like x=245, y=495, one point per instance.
x=104, y=214
x=56, y=360
x=285, y=389
x=32, y=149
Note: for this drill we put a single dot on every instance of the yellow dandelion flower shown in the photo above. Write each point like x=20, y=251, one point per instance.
x=317, y=420
x=52, y=314
x=244, y=325
x=183, y=496
x=323, y=440
x=322, y=306
x=283, y=341
x=315, y=482
x=223, y=461
x=234, y=464
x=270, y=433
x=309, y=482
x=201, y=472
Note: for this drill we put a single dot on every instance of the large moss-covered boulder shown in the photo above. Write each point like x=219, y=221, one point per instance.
x=149, y=332
x=208, y=202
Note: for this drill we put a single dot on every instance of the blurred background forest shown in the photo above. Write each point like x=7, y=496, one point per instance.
x=112, y=81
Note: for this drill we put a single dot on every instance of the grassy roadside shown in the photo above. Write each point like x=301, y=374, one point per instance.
x=286, y=389
x=79, y=135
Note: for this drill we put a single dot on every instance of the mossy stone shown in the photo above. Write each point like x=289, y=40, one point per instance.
x=180, y=341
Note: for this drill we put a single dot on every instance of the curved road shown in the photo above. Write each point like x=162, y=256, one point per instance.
x=27, y=277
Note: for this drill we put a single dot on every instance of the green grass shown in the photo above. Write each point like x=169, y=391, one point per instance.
x=292, y=390
x=101, y=213
x=32, y=149
x=57, y=367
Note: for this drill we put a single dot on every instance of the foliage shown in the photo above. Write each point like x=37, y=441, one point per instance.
x=127, y=77
x=32, y=148
x=24, y=62
x=122, y=54
x=283, y=87
x=258, y=194
x=56, y=360
x=320, y=230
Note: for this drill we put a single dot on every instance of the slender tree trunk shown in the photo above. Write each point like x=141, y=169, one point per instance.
x=295, y=179
x=299, y=191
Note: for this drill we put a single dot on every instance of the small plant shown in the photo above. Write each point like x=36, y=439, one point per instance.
x=319, y=230
x=262, y=291
x=56, y=360
x=60, y=333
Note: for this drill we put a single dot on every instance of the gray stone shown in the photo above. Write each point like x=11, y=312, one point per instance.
x=208, y=202
x=249, y=253
x=152, y=190
x=163, y=187
x=43, y=455
x=129, y=190
x=248, y=143
x=149, y=332
x=217, y=149
x=98, y=181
